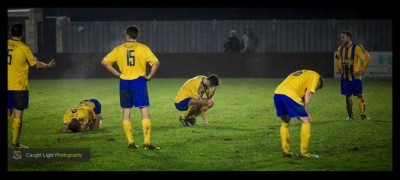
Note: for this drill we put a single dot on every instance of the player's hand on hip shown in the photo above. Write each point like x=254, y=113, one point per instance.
x=357, y=73
x=148, y=78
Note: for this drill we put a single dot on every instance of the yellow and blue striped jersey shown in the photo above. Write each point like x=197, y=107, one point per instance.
x=296, y=84
x=352, y=59
x=131, y=58
x=192, y=89
x=19, y=59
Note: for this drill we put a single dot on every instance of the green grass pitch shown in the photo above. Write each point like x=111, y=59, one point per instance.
x=243, y=131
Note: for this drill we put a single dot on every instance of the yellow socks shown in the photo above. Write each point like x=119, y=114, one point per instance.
x=146, y=124
x=285, y=137
x=361, y=104
x=16, y=131
x=128, y=130
x=305, y=137
x=186, y=113
x=101, y=124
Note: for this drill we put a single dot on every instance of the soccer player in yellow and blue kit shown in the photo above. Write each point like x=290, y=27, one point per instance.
x=20, y=57
x=291, y=99
x=190, y=98
x=131, y=58
x=352, y=60
x=86, y=115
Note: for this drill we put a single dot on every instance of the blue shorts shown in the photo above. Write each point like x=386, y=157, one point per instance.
x=133, y=93
x=349, y=88
x=183, y=105
x=17, y=99
x=97, y=108
x=286, y=106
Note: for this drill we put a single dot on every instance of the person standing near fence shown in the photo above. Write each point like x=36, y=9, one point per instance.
x=131, y=58
x=20, y=57
x=352, y=60
x=232, y=44
x=249, y=41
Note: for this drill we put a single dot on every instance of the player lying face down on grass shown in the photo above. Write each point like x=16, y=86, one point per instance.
x=87, y=115
x=190, y=98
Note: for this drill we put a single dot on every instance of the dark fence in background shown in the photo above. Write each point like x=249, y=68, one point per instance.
x=209, y=36
x=257, y=65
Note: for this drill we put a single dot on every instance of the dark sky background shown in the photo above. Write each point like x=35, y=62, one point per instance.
x=144, y=14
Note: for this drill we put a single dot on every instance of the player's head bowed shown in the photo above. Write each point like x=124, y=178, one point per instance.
x=74, y=125
x=214, y=80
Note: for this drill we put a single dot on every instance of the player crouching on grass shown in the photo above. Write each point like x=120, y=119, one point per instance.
x=87, y=115
x=190, y=98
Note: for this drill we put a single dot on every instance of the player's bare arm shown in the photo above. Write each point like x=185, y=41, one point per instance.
x=110, y=68
x=96, y=122
x=153, y=70
x=366, y=58
x=358, y=73
x=42, y=65
x=65, y=129
x=212, y=92
x=307, y=98
x=337, y=60
x=83, y=127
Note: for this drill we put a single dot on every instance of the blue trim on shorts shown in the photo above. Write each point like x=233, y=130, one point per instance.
x=133, y=93
x=353, y=87
x=286, y=106
x=183, y=105
x=97, y=108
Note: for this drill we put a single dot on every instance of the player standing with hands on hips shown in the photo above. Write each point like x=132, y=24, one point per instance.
x=131, y=58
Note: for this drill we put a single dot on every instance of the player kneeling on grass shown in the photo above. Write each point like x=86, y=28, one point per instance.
x=190, y=98
x=87, y=115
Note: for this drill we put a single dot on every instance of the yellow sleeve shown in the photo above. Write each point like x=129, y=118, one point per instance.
x=149, y=56
x=29, y=56
x=337, y=59
x=313, y=83
x=67, y=116
x=111, y=57
x=364, y=55
x=193, y=89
